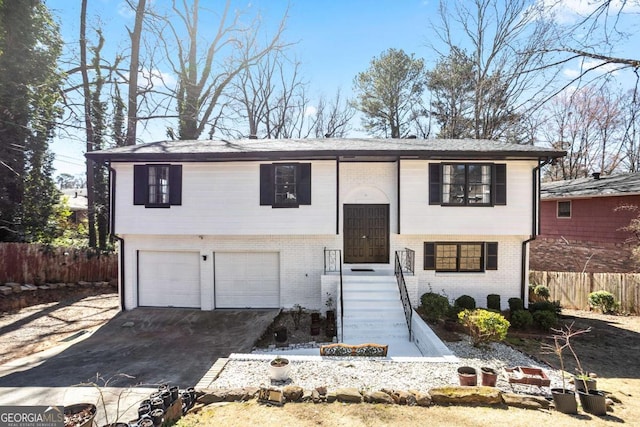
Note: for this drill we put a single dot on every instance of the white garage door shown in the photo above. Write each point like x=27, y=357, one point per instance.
x=247, y=280
x=169, y=279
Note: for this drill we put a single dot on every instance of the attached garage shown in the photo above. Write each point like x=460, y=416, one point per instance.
x=247, y=279
x=169, y=279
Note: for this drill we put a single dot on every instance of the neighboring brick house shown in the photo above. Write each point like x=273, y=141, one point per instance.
x=582, y=224
x=234, y=224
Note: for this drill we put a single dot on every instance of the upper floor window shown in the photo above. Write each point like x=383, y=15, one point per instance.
x=285, y=185
x=564, y=209
x=467, y=184
x=157, y=186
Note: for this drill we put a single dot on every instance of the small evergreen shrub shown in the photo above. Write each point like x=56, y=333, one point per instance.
x=545, y=306
x=434, y=306
x=521, y=319
x=465, y=302
x=493, y=302
x=484, y=326
x=542, y=292
x=545, y=319
x=515, y=304
x=604, y=301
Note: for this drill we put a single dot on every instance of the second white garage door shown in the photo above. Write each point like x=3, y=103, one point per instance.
x=244, y=280
x=169, y=279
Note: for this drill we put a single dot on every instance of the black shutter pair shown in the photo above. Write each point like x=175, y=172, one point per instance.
x=267, y=184
x=498, y=184
x=490, y=256
x=141, y=184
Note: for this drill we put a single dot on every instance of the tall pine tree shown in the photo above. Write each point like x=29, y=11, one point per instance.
x=30, y=45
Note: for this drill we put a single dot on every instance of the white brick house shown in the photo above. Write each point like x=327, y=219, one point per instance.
x=219, y=224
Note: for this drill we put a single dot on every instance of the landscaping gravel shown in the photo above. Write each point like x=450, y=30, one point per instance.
x=374, y=374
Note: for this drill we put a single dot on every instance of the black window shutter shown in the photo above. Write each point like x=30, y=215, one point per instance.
x=429, y=256
x=266, y=185
x=175, y=184
x=304, y=186
x=500, y=184
x=435, y=183
x=140, y=184
x=492, y=256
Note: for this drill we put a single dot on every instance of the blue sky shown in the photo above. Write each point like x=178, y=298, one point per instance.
x=335, y=40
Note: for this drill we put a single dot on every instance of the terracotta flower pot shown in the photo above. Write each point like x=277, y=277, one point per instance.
x=489, y=376
x=467, y=376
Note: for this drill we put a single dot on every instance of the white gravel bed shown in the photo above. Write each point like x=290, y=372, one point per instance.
x=375, y=374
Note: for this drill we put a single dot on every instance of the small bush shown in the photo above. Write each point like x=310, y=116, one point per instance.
x=542, y=292
x=453, y=312
x=604, y=301
x=434, y=306
x=545, y=319
x=493, y=302
x=466, y=302
x=545, y=306
x=484, y=326
x=521, y=319
x=515, y=304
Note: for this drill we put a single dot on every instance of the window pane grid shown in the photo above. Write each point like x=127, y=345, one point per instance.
x=158, y=185
x=459, y=257
x=285, y=185
x=466, y=184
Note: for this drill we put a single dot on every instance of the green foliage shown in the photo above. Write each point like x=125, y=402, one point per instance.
x=493, y=302
x=389, y=94
x=434, y=306
x=545, y=319
x=515, y=304
x=542, y=292
x=604, y=301
x=545, y=306
x=29, y=108
x=521, y=319
x=465, y=302
x=484, y=326
x=451, y=84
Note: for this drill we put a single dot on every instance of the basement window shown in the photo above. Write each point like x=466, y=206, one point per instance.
x=564, y=209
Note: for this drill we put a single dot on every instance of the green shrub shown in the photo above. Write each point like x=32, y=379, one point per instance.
x=515, y=304
x=465, y=302
x=521, y=319
x=545, y=306
x=434, y=306
x=453, y=312
x=542, y=292
x=545, y=319
x=493, y=302
x=484, y=326
x=604, y=301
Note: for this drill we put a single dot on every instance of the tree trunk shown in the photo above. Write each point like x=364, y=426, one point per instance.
x=132, y=108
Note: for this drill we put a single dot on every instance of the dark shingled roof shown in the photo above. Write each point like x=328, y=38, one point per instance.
x=612, y=185
x=259, y=149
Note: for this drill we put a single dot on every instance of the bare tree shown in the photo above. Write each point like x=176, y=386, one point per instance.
x=507, y=40
x=333, y=117
x=134, y=68
x=631, y=138
x=204, y=74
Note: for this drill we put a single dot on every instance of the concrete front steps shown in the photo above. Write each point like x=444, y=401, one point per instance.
x=373, y=313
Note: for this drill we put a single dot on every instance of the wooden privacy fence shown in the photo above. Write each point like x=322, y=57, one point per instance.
x=39, y=264
x=573, y=289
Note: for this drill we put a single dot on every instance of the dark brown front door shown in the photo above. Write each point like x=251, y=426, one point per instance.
x=366, y=234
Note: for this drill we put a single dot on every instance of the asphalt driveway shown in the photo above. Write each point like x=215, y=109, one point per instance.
x=149, y=346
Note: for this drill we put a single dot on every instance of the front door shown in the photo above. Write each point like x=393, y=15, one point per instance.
x=366, y=234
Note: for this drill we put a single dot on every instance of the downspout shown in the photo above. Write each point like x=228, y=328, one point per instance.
x=112, y=226
x=535, y=225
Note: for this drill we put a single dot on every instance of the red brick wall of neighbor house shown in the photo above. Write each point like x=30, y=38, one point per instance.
x=594, y=220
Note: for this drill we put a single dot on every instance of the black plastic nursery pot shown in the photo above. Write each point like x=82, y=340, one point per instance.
x=593, y=402
x=564, y=400
x=582, y=384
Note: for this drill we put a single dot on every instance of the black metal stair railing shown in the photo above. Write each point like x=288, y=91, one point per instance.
x=404, y=295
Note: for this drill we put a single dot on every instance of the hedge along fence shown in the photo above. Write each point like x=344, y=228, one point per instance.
x=39, y=264
x=573, y=289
